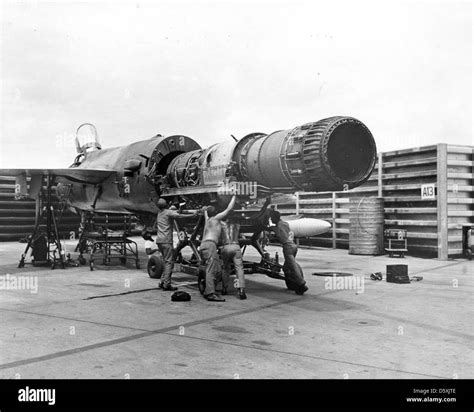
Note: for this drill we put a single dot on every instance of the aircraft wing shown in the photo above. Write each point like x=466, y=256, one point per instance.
x=91, y=176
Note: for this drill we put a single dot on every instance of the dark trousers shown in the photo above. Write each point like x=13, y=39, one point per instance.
x=210, y=257
x=295, y=274
x=166, y=250
x=232, y=254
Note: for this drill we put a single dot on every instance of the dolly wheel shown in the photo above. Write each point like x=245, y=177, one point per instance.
x=155, y=266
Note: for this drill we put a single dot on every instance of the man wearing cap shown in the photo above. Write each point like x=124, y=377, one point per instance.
x=208, y=248
x=164, y=240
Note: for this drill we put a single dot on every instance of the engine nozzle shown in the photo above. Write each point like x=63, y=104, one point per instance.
x=328, y=155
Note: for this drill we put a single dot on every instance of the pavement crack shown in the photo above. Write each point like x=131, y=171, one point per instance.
x=120, y=294
x=306, y=356
x=74, y=319
x=144, y=334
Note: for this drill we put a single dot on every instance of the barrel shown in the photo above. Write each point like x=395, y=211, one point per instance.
x=366, y=226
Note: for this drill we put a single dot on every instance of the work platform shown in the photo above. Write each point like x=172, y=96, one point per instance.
x=113, y=322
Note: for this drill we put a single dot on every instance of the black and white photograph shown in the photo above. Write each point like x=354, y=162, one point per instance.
x=237, y=193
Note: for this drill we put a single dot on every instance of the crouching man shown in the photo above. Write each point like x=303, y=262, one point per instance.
x=285, y=237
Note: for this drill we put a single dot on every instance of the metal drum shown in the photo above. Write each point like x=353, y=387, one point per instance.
x=366, y=226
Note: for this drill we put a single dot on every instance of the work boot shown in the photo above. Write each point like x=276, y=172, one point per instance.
x=242, y=294
x=160, y=285
x=214, y=298
x=170, y=288
x=301, y=289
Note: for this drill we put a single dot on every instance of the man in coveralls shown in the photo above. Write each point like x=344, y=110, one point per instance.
x=164, y=240
x=285, y=237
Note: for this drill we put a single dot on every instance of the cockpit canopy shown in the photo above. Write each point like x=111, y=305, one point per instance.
x=87, y=138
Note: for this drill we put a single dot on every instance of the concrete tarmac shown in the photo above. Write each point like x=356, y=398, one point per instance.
x=113, y=322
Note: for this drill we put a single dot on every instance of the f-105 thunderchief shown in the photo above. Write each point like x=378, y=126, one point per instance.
x=336, y=153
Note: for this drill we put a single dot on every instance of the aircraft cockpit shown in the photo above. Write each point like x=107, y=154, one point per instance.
x=87, y=138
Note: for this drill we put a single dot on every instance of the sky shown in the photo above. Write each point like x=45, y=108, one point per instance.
x=209, y=69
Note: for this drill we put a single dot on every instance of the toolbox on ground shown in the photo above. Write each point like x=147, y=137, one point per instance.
x=397, y=274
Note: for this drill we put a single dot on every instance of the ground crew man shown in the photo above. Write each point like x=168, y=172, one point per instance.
x=231, y=254
x=208, y=248
x=285, y=237
x=164, y=240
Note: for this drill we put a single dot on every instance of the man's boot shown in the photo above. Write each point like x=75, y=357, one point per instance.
x=170, y=288
x=301, y=289
x=214, y=298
